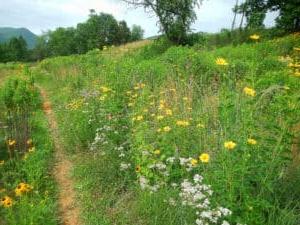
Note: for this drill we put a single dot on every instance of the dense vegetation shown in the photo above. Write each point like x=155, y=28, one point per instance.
x=26, y=190
x=182, y=135
x=98, y=32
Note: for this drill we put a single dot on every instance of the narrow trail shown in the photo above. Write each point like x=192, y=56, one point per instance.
x=68, y=209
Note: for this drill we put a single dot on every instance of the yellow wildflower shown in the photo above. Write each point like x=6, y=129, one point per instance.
x=251, y=141
x=1, y=162
x=130, y=104
x=32, y=149
x=105, y=89
x=6, y=202
x=160, y=117
x=221, y=62
x=11, y=142
x=23, y=188
x=249, y=91
x=159, y=130
x=167, y=129
x=139, y=86
x=230, y=145
x=138, y=118
x=185, y=98
x=254, y=37
x=182, y=123
x=157, y=152
x=194, y=162
x=138, y=168
x=204, y=157
x=297, y=49
x=103, y=97
x=200, y=125
x=169, y=112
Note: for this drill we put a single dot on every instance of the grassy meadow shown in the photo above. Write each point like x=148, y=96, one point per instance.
x=165, y=135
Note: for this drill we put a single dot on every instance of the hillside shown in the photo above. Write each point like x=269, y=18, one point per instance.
x=153, y=134
x=7, y=33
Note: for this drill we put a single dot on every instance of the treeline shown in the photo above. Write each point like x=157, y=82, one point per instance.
x=98, y=31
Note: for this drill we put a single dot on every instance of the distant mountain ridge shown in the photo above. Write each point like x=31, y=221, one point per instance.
x=7, y=33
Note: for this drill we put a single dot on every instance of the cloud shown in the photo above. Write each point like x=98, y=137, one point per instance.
x=42, y=15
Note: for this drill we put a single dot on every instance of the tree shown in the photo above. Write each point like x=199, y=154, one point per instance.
x=62, y=41
x=17, y=49
x=137, y=33
x=175, y=16
x=98, y=31
x=124, y=33
x=289, y=14
x=254, y=11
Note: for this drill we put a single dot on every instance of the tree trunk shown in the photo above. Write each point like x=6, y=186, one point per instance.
x=235, y=13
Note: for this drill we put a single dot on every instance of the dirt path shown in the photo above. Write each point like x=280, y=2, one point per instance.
x=69, y=211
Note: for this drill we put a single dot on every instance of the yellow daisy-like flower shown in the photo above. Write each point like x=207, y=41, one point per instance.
x=221, y=62
x=11, y=142
x=204, y=157
x=182, y=123
x=104, y=89
x=230, y=145
x=32, y=149
x=139, y=86
x=297, y=49
x=167, y=129
x=254, y=37
x=251, y=141
x=23, y=188
x=6, y=202
x=138, y=168
x=200, y=125
x=194, y=162
x=249, y=91
x=160, y=117
x=157, y=152
x=169, y=112
x=138, y=118
x=103, y=97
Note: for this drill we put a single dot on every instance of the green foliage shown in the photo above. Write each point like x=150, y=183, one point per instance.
x=137, y=33
x=175, y=17
x=124, y=116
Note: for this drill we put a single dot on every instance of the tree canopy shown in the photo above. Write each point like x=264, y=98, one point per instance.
x=175, y=16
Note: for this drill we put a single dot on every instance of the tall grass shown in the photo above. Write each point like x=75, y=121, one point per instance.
x=136, y=124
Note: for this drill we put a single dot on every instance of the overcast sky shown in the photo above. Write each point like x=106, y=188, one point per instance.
x=42, y=15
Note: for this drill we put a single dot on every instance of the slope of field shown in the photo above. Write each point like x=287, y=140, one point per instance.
x=179, y=135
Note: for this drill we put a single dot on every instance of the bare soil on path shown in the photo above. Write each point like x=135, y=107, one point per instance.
x=68, y=209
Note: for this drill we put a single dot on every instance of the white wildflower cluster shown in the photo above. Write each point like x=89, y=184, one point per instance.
x=124, y=166
x=145, y=185
x=186, y=162
x=171, y=202
x=196, y=195
x=100, y=138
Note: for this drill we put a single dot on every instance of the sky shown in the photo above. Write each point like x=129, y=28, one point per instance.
x=43, y=15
